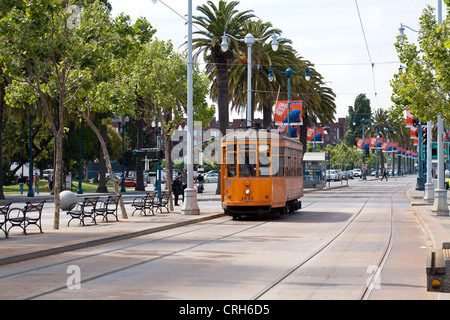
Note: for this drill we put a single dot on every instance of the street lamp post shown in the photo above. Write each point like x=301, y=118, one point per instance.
x=289, y=73
x=429, y=185
x=157, y=129
x=387, y=154
x=123, y=126
x=440, y=206
x=30, y=172
x=363, y=175
x=190, y=204
x=249, y=40
x=80, y=187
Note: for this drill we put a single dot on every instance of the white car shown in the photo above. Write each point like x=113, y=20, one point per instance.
x=333, y=175
x=357, y=172
x=211, y=177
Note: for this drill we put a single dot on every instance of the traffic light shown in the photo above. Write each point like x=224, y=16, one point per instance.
x=367, y=151
x=416, y=122
x=424, y=136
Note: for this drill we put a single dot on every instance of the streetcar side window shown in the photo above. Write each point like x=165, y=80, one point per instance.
x=264, y=160
x=231, y=164
x=281, y=166
x=299, y=167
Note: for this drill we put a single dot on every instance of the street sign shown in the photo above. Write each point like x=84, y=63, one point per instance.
x=434, y=150
x=151, y=154
x=364, y=166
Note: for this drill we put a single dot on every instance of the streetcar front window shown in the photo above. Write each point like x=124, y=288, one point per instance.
x=247, y=164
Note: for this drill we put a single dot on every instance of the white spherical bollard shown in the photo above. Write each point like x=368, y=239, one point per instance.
x=67, y=198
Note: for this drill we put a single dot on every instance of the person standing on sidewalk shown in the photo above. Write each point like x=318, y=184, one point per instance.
x=21, y=181
x=36, y=183
x=50, y=181
x=177, y=189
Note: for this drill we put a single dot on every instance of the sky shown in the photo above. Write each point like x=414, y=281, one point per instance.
x=328, y=33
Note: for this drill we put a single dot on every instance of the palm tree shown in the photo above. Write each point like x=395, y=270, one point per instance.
x=318, y=100
x=214, y=22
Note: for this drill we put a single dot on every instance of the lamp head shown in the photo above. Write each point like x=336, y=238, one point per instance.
x=308, y=75
x=402, y=30
x=275, y=43
x=224, y=44
x=271, y=77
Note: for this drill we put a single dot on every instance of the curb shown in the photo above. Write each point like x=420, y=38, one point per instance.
x=104, y=240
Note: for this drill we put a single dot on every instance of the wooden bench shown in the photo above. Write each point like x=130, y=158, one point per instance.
x=30, y=214
x=82, y=210
x=4, y=209
x=163, y=203
x=108, y=206
x=144, y=203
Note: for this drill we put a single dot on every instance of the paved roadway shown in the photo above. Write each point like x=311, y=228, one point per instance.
x=226, y=259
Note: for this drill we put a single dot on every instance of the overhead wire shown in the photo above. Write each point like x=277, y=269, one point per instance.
x=177, y=13
x=371, y=63
x=368, y=52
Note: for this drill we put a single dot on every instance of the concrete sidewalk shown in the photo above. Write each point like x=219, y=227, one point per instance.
x=18, y=247
x=438, y=227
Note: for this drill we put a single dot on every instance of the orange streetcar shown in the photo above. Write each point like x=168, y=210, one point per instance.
x=262, y=173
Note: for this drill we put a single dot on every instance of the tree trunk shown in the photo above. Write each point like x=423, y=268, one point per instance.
x=168, y=157
x=57, y=181
x=102, y=174
x=222, y=103
x=267, y=114
x=108, y=164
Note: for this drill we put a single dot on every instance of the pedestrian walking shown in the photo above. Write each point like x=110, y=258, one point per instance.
x=384, y=175
x=36, y=183
x=177, y=188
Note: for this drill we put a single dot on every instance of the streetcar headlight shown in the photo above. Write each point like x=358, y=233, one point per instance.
x=247, y=191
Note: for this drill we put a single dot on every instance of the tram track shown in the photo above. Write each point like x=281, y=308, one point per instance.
x=128, y=246
x=371, y=282
x=245, y=227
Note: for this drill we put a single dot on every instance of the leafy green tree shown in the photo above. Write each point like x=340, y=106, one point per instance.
x=424, y=81
x=353, y=123
x=57, y=65
x=160, y=76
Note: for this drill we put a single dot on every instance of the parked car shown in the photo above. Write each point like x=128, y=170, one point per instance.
x=46, y=173
x=332, y=175
x=357, y=172
x=211, y=177
x=343, y=175
x=131, y=182
x=150, y=177
x=350, y=174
